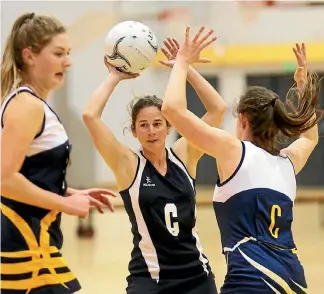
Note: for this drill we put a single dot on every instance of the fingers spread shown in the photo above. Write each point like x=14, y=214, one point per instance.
x=207, y=43
x=195, y=38
x=204, y=38
x=167, y=44
x=187, y=34
x=298, y=57
x=176, y=43
x=166, y=53
x=298, y=48
x=304, y=50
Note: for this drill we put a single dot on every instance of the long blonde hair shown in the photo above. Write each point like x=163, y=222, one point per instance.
x=28, y=31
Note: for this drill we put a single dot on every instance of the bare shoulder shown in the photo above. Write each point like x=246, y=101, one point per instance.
x=22, y=120
x=126, y=172
x=24, y=105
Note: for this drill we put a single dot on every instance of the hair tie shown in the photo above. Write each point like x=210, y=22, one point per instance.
x=31, y=16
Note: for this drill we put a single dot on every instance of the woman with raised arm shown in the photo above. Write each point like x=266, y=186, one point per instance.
x=256, y=189
x=35, y=153
x=157, y=185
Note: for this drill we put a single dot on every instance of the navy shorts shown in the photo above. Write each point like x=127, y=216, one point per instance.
x=143, y=285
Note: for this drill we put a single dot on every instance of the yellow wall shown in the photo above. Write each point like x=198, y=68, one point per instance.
x=263, y=54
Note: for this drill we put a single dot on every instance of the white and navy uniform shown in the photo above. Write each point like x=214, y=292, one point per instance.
x=254, y=211
x=167, y=254
x=31, y=237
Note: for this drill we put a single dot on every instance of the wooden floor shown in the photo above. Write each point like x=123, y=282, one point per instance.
x=101, y=263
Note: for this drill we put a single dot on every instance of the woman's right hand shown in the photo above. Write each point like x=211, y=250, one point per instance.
x=79, y=204
x=118, y=75
x=190, y=49
x=300, y=75
x=171, y=50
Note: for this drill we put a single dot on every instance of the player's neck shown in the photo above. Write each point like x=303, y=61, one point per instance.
x=39, y=91
x=157, y=158
x=247, y=136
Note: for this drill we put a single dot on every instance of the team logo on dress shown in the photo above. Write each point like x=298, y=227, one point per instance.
x=148, y=183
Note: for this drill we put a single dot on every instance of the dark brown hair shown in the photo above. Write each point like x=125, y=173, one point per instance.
x=28, y=31
x=137, y=104
x=269, y=116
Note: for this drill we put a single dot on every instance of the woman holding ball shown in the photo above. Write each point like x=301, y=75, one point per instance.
x=157, y=185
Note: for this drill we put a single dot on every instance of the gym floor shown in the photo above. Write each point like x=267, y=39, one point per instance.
x=101, y=263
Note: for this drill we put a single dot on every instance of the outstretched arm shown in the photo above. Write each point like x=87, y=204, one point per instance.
x=115, y=154
x=202, y=136
x=300, y=150
x=212, y=101
x=214, y=104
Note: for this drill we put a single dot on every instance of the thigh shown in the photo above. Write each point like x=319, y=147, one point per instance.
x=141, y=285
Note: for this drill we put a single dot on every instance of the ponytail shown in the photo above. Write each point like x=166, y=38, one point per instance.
x=11, y=64
x=10, y=75
x=292, y=121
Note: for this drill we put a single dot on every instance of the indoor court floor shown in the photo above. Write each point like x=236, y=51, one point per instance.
x=101, y=263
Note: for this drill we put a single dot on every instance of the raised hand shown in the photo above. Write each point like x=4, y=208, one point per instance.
x=300, y=75
x=119, y=76
x=190, y=49
x=170, y=52
x=172, y=46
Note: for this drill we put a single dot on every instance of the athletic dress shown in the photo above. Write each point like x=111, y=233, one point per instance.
x=254, y=211
x=31, y=237
x=167, y=256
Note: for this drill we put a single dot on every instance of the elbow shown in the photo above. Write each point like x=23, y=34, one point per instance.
x=219, y=111
x=88, y=116
x=222, y=108
x=7, y=181
x=5, y=177
x=168, y=110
